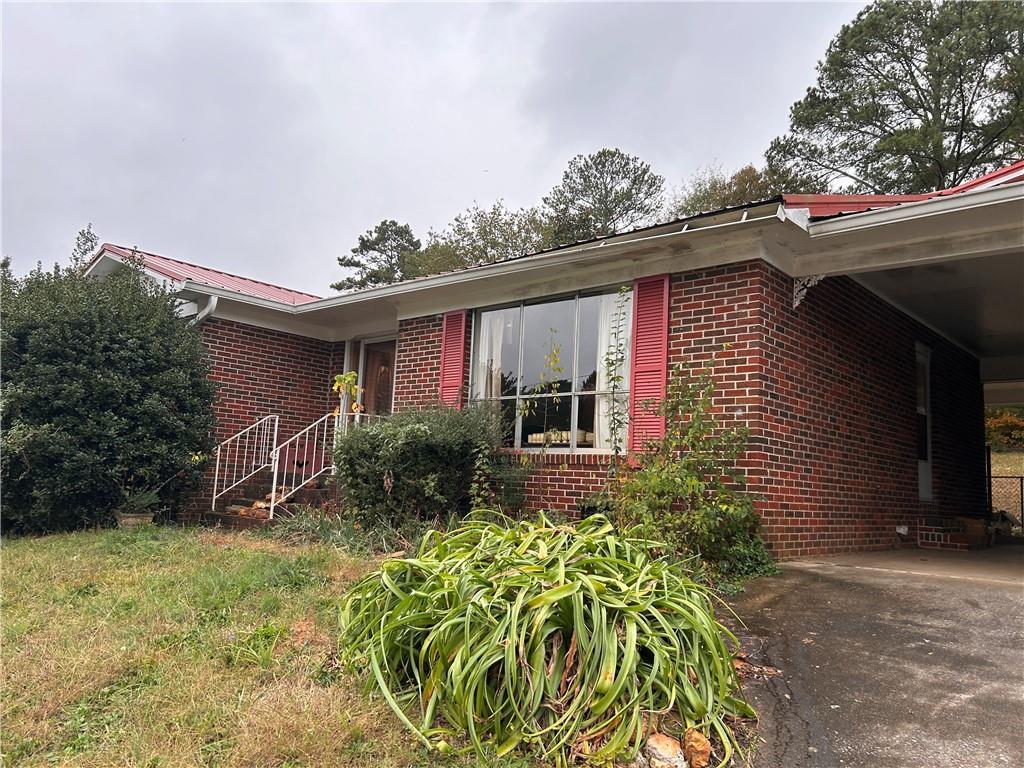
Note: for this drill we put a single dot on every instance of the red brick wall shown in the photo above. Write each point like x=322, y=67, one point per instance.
x=837, y=465
x=418, y=363
x=560, y=481
x=827, y=391
x=418, y=367
x=260, y=372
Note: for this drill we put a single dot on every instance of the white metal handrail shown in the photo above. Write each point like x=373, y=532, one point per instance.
x=305, y=456
x=243, y=455
x=357, y=419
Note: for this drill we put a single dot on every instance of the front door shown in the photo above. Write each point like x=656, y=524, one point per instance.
x=378, y=377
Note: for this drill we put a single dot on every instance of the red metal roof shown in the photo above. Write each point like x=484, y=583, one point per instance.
x=820, y=206
x=183, y=270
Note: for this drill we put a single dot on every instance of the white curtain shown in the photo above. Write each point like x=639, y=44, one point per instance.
x=608, y=323
x=487, y=364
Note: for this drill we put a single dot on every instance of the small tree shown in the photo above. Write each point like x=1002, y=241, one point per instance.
x=686, y=488
x=385, y=254
x=86, y=243
x=602, y=194
x=105, y=398
x=1004, y=428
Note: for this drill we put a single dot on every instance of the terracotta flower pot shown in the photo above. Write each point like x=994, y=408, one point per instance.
x=134, y=520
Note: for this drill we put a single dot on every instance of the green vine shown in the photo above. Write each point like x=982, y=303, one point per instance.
x=614, y=364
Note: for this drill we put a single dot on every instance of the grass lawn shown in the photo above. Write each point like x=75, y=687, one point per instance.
x=181, y=647
x=1008, y=463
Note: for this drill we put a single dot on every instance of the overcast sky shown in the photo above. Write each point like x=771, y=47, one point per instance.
x=263, y=139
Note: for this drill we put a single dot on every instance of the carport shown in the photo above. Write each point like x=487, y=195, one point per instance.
x=955, y=263
x=953, y=260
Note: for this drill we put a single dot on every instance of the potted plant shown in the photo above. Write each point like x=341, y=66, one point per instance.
x=137, y=508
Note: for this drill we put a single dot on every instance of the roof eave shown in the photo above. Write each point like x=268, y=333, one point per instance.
x=879, y=217
x=569, y=255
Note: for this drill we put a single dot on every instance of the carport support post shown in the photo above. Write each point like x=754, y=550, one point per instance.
x=988, y=476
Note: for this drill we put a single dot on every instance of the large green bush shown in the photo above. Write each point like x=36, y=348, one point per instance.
x=575, y=639
x=422, y=464
x=105, y=398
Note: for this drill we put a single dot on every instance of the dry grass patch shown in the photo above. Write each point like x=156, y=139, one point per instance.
x=1011, y=463
x=296, y=721
x=177, y=647
x=226, y=539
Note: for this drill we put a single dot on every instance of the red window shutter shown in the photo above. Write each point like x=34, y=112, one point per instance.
x=453, y=357
x=649, y=361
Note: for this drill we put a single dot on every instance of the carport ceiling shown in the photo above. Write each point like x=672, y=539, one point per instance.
x=977, y=302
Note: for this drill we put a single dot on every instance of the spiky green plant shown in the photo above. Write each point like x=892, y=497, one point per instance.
x=572, y=639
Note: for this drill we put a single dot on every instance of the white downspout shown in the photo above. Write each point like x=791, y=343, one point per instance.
x=205, y=312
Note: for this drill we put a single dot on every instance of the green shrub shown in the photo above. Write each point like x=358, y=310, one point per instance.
x=573, y=639
x=105, y=397
x=417, y=465
x=686, y=489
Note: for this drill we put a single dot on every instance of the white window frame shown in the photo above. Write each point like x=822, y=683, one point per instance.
x=573, y=393
x=923, y=355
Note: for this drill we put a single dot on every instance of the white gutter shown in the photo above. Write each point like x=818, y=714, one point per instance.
x=935, y=206
x=560, y=258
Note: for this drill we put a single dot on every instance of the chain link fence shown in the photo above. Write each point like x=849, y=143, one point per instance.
x=1008, y=496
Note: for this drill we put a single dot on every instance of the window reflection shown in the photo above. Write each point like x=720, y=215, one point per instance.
x=553, y=365
x=548, y=332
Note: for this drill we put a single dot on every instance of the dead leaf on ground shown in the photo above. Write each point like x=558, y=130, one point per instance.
x=696, y=748
x=746, y=669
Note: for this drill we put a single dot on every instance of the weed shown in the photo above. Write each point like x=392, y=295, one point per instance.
x=258, y=646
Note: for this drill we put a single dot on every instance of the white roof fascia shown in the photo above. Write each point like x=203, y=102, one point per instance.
x=935, y=206
x=562, y=257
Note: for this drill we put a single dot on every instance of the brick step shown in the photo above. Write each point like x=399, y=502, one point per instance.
x=234, y=516
x=235, y=521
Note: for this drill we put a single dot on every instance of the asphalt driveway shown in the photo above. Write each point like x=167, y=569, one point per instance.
x=903, y=659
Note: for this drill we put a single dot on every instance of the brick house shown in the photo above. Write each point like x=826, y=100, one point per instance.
x=857, y=337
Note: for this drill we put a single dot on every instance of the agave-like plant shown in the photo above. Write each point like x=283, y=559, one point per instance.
x=569, y=638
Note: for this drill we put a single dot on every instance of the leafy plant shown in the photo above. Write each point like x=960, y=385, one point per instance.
x=509, y=475
x=614, y=362
x=139, y=502
x=346, y=386
x=417, y=465
x=572, y=639
x=686, y=487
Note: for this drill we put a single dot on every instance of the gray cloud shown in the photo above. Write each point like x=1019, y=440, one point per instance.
x=263, y=139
